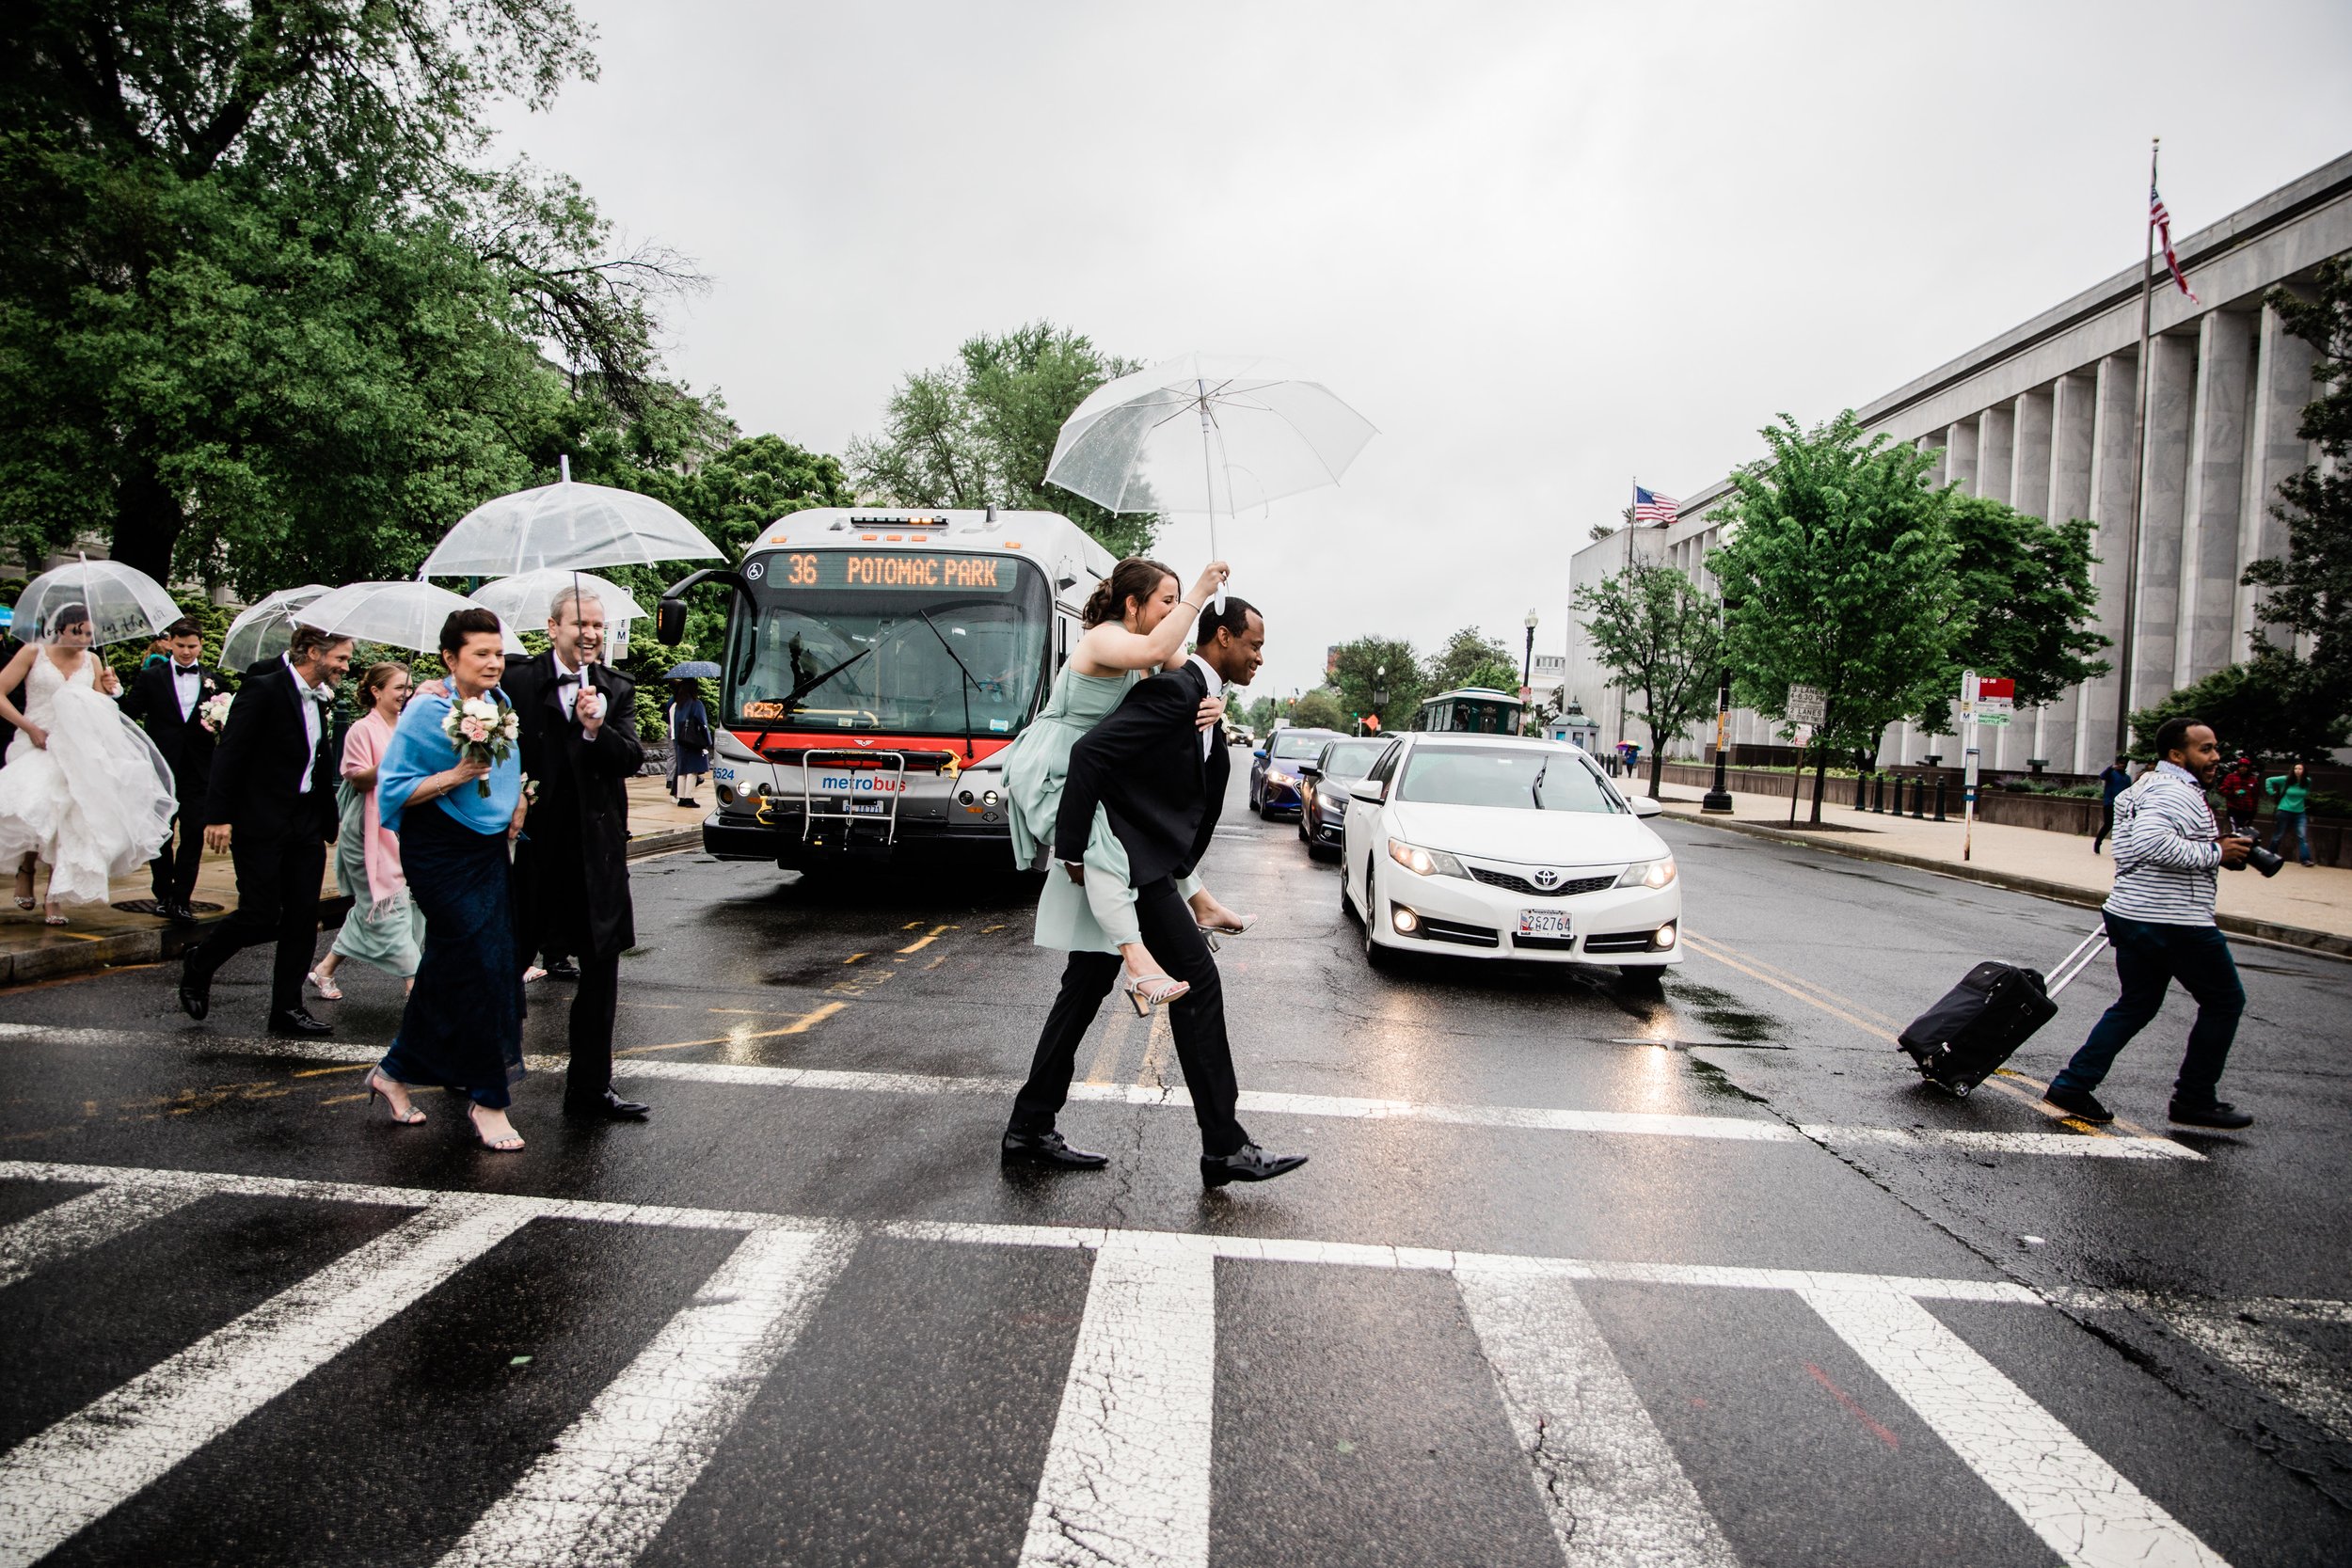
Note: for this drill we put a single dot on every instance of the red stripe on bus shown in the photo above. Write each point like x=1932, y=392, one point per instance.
x=765, y=742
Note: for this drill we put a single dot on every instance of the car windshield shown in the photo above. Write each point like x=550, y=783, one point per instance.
x=1515, y=778
x=1352, y=759
x=1296, y=746
x=902, y=661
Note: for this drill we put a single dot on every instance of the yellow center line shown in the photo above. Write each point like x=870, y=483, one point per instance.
x=1156, y=1045
x=1105, y=1067
x=800, y=1025
x=922, y=941
x=852, y=958
x=323, y=1071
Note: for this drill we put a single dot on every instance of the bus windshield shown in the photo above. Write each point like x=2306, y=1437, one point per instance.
x=901, y=659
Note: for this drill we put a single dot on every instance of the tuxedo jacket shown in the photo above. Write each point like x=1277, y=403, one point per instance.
x=258, y=763
x=572, y=867
x=1142, y=765
x=152, y=701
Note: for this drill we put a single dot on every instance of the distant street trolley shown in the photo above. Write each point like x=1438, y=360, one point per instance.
x=1471, y=710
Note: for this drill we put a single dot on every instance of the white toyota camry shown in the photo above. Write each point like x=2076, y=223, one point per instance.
x=1485, y=846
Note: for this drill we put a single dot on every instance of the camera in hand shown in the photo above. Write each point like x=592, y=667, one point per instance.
x=2261, y=859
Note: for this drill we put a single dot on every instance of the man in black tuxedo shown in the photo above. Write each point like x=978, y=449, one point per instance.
x=272, y=806
x=169, y=698
x=1162, y=778
x=579, y=749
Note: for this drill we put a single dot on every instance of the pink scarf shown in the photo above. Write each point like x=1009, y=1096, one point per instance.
x=363, y=750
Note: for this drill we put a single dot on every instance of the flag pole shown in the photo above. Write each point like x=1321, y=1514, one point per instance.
x=2139, y=463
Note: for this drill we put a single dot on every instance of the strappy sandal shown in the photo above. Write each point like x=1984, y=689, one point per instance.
x=377, y=1078
x=1210, y=933
x=324, y=984
x=511, y=1143
x=1148, y=991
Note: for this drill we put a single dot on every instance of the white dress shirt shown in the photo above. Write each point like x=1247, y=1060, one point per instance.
x=187, y=684
x=1216, y=688
x=314, y=719
x=566, y=691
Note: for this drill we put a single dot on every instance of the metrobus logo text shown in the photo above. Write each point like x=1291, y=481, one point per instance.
x=923, y=571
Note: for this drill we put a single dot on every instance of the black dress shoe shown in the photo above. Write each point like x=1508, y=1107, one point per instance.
x=196, y=990
x=2220, y=1115
x=2079, y=1103
x=611, y=1107
x=1048, y=1148
x=1246, y=1164
x=562, y=969
x=297, y=1021
x=179, y=915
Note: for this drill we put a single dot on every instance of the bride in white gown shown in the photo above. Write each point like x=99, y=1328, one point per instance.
x=84, y=788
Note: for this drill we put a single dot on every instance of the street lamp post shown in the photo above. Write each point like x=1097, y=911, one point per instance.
x=1380, y=694
x=1527, y=675
x=1718, y=800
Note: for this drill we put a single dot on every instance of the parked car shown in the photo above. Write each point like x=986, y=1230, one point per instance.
x=1274, y=771
x=1501, y=847
x=1323, y=788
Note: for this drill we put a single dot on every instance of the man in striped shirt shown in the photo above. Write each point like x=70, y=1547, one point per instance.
x=2159, y=919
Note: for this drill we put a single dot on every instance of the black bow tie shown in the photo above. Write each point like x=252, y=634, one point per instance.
x=571, y=677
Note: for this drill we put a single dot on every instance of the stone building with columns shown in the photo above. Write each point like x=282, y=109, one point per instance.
x=2040, y=418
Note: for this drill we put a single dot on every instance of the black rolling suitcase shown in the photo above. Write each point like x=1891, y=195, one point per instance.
x=1980, y=1023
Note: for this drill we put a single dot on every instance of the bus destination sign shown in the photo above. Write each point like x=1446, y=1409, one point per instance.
x=900, y=569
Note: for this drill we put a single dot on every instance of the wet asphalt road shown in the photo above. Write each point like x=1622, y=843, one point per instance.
x=1999, y=1349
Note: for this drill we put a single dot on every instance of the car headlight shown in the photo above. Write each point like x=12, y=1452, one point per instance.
x=1425, y=862
x=1649, y=874
x=1276, y=776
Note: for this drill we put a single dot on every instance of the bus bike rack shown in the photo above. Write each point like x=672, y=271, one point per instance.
x=849, y=819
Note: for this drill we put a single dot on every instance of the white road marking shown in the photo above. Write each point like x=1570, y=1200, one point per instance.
x=81, y=1223
x=2240, y=1334
x=600, y=1496
x=2076, y=1502
x=53, y=1484
x=1538, y=1118
x=1127, y=1477
x=1614, y=1492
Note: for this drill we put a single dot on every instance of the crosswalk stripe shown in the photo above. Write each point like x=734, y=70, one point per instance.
x=1538, y=1118
x=56, y=1483
x=2237, y=1333
x=1614, y=1492
x=1127, y=1477
x=2076, y=1502
x=598, y=1497
x=80, y=1222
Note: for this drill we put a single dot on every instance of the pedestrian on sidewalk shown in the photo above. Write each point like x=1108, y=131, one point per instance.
x=2241, y=796
x=2160, y=921
x=2292, y=790
x=383, y=928
x=457, y=817
x=2113, y=781
x=689, y=720
x=168, y=700
x=272, y=807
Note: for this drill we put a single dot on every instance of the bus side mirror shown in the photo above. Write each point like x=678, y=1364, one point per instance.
x=670, y=622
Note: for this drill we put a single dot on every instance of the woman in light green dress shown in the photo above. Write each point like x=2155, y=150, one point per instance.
x=385, y=928
x=1134, y=624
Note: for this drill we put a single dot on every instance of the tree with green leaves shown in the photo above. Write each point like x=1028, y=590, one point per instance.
x=1661, y=641
x=980, y=432
x=2310, y=587
x=1471, y=657
x=1379, y=664
x=1837, y=574
x=2026, y=604
x=263, y=313
x=1319, y=710
x=2270, y=707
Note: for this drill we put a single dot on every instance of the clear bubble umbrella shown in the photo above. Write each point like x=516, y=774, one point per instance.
x=125, y=603
x=525, y=598
x=1206, y=433
x=567, y=525
x=262, y=631
x=399, y=614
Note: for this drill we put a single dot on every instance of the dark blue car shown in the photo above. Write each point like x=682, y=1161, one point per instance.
x=1274, y=770
x=1323, y=816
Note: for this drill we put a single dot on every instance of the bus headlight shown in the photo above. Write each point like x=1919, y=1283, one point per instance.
x=1650, y=874
x=1425, y=862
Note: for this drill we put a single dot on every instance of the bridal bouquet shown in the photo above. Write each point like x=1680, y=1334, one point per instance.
x=213, y=712
x=483, y=731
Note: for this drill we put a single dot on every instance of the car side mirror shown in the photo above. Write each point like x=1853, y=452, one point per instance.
x=669, y=623
x=1259, y=753
x=1645, y=805
x=1369, y=791
x=1310, y=771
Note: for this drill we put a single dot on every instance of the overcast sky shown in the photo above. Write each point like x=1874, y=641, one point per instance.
x=1543, y=248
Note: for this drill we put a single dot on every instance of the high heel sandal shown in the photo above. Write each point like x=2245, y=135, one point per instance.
x=324, y=984
x=53, y=917
x=1148, y=991
x=510, y=1143
x=376, y=1079
x=1210, y=933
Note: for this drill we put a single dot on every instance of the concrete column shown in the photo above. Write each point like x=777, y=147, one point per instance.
x=2030, y=455
x=1996, y=431
x=2164, y=512
x=1937, y=474
x=1959, y=456
x=2108, y=495
x=2214, y=492
x=2074, y=422
x=2281, y=386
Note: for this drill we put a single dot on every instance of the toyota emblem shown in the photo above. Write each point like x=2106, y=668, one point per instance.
x=1546, y=878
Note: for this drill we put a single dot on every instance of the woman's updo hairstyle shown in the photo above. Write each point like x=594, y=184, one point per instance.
x=1136, y=578
x=463, y=623
x=376, y=679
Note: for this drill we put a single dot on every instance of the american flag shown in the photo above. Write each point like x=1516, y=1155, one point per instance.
x=2163, y=222
x=1651, y=507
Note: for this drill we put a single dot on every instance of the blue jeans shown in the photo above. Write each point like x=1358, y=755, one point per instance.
x=2148, y=957
x=2298, y=820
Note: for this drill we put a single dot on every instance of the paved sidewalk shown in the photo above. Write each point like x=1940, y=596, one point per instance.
x=106, y=937
x=2302, y=906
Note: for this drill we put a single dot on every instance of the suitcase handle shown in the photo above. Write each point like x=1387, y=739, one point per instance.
x=2070, y=967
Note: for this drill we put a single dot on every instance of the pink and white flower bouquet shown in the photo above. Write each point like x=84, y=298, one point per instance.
x=483, y=731
x=213, y=712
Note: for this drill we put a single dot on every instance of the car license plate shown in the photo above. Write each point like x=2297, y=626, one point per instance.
x=1544, y=923
x=863, y=808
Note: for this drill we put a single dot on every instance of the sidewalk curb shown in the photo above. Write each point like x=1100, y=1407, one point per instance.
x=2327, y=943
x=665, y=842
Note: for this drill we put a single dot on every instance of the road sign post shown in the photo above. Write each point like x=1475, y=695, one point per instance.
x=1983, y=700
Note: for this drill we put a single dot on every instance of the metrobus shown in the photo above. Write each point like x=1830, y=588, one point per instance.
x=878, y=662
x=1473, y=709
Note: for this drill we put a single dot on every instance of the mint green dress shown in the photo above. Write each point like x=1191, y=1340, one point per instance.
x=1101, y=915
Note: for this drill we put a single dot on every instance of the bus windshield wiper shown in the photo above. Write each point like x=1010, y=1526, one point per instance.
x=792, y=698
x=971, y=680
